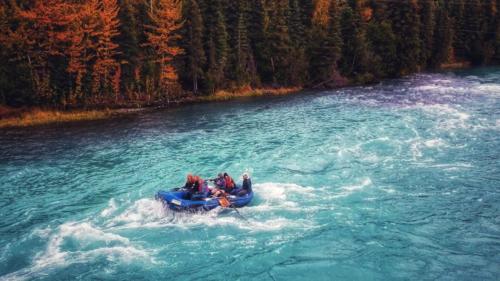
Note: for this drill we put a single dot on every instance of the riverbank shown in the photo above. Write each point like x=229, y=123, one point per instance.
x=25, y=117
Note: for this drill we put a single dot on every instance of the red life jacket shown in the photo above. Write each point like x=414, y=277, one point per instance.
x=229, y=182
x=201, y=186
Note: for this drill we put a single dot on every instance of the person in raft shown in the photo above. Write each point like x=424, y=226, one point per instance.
x=246, y=186
x=189, y=182
x=220, y=184
x=229, y=184
x=197, y=188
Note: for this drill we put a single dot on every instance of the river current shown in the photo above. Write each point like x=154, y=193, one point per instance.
x=395, y=181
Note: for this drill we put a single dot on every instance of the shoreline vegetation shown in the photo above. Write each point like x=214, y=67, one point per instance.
x=34, y=116
x=83, y=60
x=11, y=117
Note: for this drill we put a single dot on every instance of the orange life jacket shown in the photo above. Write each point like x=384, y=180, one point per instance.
x=229, y=182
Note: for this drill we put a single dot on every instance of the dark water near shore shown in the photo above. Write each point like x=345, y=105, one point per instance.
x=397, y=181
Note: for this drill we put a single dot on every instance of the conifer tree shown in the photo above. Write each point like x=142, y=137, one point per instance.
x=130, y=51
x=326, y=42
x=278, y=37
x=406, y=26
x=496, y=56
x=456, y=14
x=473, y=41
x=354, y=59
x=106, y=71
x=258, y=35
x=382, y=41
x=193, y=37
x=218, y=45
x=427, y=18
x=299, y=65
x=244, y=62
x=161, y=38
x=443, y=41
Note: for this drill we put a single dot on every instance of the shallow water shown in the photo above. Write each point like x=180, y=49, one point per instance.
x=397, y=181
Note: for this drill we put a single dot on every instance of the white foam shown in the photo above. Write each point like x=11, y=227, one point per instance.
x=90, y=242
x=489, y=88
x=279, y=191
x=350, y=188
x=434, y=143
x=278, y=197
x=112, y=207
x=144, y=212
x=447, y=117
x=415, y=149
x=347, y=190
x=436, y=88
x=453, y=166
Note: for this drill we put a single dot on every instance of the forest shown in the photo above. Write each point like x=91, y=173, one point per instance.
x=91, y=53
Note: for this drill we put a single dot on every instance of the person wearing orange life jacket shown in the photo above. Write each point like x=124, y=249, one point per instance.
x=229, y=183
x=199, y=189
x=189, y=182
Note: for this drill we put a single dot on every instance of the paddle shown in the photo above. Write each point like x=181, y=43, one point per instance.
x=224, y=202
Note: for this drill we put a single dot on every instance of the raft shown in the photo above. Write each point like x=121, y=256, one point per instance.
x=177, y=201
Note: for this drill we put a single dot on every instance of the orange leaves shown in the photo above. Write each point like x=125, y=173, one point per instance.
x=320, y=13
x=366, y=14
x=161, y=36
x=80, y=31
x=107, y=71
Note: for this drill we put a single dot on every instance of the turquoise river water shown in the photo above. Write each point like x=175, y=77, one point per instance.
x=395, y=181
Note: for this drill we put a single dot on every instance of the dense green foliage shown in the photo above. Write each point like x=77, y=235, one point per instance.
x=228, y=44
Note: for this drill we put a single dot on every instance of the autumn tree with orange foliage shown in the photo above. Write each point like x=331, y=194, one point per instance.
x=41, y=34
x=80, y=33
x=162, y=37
x=106, y=71
x=79, y=51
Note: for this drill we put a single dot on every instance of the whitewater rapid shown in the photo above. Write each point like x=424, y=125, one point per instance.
x=392, y=181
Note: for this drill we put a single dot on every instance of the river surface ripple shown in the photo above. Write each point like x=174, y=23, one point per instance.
x=396, y=181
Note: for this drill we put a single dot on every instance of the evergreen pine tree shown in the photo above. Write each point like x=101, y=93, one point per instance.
x=278, y=38
x=496, y=44
x=218, y=44
x=258, y=34
x=193, y=37
x=354, y=59
x=326, y=44
x=130, y=51
x=443, y=36
x=473, y=41
x=244, y=63
x=427, y=18
x=382, y=42
x=406, y=26
x=298, y=68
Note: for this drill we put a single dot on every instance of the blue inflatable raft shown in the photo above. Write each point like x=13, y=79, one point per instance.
x=177, y=201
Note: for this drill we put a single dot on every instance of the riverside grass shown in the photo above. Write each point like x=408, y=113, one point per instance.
x=249, y=92
x=38, y=116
